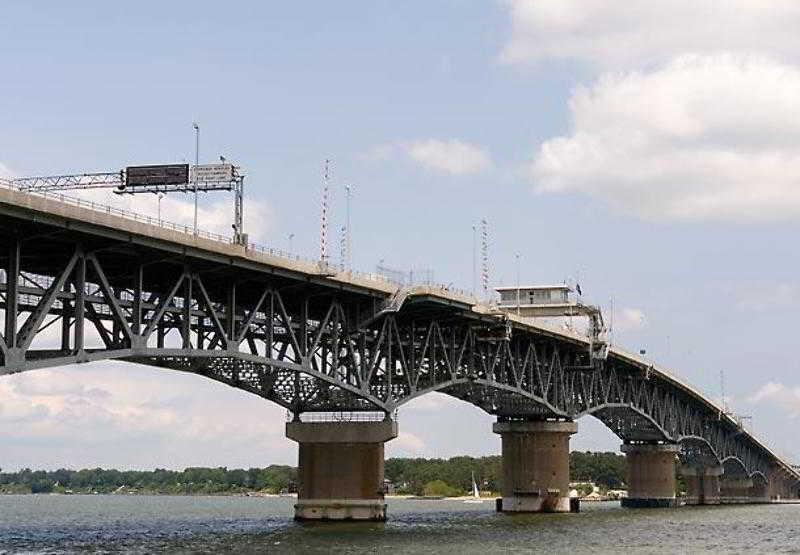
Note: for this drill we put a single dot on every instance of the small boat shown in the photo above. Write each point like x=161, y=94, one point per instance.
x=476, y=495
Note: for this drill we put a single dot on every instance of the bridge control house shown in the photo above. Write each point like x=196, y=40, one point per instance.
x=538, y=300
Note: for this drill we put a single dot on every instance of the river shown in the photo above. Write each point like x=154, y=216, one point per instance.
x=146, y=524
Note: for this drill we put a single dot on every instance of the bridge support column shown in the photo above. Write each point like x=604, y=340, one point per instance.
x=702, y=484
x=340, y=469
x=759, y=493
x=651, y=475
x=535, y=465
x=780, y=485
x=735, y=489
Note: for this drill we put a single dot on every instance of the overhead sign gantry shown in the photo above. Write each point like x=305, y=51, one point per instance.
x=158, y=178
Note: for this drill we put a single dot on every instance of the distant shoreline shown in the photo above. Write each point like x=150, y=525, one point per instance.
x=451, y=478
x=236, y=494
x=150, y=493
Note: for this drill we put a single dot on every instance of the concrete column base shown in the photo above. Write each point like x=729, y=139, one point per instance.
x=759, y=492
x=735, y=491
x=340, y=509
x=702, y=484
x=549, y=503
x=340, y=469
x=651, y=475
x=535, y=466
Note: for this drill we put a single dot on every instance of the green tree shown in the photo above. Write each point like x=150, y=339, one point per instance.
x=440, y=488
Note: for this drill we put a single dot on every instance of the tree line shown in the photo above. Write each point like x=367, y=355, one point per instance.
x=454, y=476
x=272, y=479
x=441, y=477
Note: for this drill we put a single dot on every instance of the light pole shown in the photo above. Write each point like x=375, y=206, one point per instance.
x=196, y=163
x=517, y=257
x=291, y=236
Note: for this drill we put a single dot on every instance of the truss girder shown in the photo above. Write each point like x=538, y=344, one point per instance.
x=315, y=349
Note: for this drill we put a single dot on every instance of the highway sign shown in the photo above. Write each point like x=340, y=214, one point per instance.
x=211, y=173
x=163, y=174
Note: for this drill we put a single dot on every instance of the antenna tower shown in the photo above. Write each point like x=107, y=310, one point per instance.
x=343, y=248
x=323, y=244
x=485, y=257
x=347, y=259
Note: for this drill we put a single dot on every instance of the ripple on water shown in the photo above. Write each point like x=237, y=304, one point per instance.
x=140, y=524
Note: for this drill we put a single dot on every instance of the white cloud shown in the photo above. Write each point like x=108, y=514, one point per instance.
x=787, y=398
x=628, y=319
x=702, y=137
x=433, y=401
x=406, y=445
x=450, y=156
x=767, y=297
x=379, y=153
x=123, y=415
x=215, y=216
x=610, y=33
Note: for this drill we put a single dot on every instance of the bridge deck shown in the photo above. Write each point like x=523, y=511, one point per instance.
x=52, y=222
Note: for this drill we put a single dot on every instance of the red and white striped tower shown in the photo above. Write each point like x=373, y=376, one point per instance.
x=323, y=244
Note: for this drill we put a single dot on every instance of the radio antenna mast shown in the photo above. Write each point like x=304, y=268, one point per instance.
x=323, y=246
x=343, y=248
x=348, y=258
x=485, y=258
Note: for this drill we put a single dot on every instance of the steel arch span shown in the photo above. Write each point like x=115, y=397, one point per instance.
x=78, y=285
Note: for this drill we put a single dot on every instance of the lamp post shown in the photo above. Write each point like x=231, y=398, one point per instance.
x=291, y=236
x=196, y=128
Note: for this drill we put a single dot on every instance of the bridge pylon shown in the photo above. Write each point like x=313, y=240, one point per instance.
x=702, y=484
x=651, y=474
x=736, y=489
x=341, y=469
x=535, y=465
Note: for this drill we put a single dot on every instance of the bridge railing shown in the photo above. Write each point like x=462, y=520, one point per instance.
x=341, y=416
x=167, y=224
x=228, y=240
x=120, y=212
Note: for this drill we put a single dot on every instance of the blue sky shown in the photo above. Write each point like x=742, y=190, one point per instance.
x=650, y=151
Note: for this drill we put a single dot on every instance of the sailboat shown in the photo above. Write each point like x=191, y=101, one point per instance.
x=476, y=495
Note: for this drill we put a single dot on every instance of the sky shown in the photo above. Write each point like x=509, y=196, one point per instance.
x=648, y=149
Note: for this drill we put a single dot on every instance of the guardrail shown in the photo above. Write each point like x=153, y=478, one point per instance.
x=347, y=416
x=210, y=235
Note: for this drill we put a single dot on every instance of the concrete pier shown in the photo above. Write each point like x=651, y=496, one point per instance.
x=651, y=475
x=780, y=486
x=340, y=469
x=759, y=493
x=702, y=484
x=735, y=489
x=535, y=465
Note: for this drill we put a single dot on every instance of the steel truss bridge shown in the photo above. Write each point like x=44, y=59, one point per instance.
x=80, y=285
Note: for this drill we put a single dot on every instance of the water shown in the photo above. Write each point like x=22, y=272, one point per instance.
x=143, y=524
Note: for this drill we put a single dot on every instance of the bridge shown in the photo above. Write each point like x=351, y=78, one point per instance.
x=82, y=282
